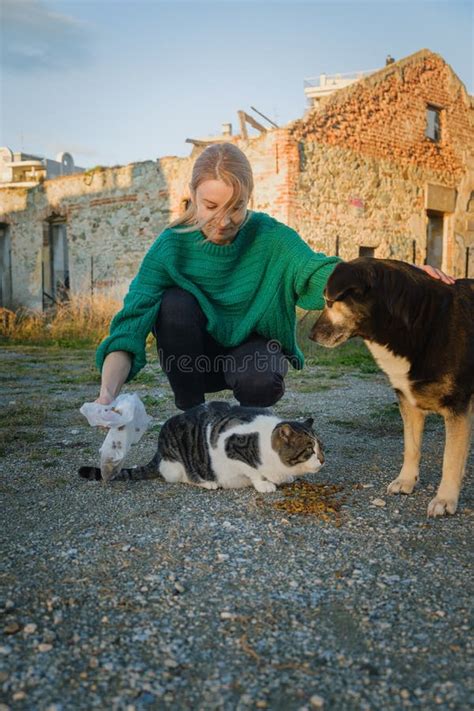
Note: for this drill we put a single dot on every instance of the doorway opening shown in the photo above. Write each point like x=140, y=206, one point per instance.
x=434, y=239
x=56, y=281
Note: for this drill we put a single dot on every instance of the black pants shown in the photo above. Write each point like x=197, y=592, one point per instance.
x=195, y=363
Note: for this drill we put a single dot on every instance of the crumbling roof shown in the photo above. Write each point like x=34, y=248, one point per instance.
x=339, y=96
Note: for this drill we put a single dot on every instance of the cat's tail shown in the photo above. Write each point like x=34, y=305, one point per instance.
x=149, y=471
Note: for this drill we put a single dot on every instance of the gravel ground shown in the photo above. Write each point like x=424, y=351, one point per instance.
x=155, y=596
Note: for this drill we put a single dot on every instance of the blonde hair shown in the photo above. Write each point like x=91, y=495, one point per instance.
x=219, y=161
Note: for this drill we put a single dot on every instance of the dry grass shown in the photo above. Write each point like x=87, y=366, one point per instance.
x=79, y=321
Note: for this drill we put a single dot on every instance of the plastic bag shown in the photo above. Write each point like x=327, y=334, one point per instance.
x=127, y=421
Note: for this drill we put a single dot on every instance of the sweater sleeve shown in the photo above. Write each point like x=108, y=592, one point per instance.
x=131, y=326
x=312, y=270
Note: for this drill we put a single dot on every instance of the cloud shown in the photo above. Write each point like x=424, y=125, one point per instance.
x=36, y=38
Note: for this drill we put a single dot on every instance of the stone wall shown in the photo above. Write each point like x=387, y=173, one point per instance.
x=113, y=215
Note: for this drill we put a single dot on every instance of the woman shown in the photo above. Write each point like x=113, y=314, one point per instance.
x=218, y=289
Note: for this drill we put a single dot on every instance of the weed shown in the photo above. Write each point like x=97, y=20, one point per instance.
x=22, y=415
x=146, y=377
x=347, y=424
x=7, y=436
x=351, y=355
x=312, y=386
x=81, y=321
x=57, y=483
x=151, y=401
x=386, y=412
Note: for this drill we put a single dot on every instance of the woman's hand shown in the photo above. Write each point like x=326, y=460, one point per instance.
x=104, y=399
x=114, y=373
x=436, y=273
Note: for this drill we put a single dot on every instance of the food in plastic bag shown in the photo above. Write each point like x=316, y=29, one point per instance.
x=127, y=421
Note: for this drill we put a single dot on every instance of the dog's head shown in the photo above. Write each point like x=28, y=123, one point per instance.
x=360, y=294
x=346, y=305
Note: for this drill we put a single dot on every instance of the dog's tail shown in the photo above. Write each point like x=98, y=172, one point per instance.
x=149, y=471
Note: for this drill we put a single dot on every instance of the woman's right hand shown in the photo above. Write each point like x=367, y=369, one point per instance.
x=104, y=400
x=114, y=373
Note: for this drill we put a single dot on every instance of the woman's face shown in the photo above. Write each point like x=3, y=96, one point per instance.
x=210, y=198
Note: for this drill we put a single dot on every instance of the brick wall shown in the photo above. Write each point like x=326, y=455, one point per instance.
x=384, y=116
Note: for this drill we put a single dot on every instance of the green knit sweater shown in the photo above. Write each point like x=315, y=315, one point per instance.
x=250, y=285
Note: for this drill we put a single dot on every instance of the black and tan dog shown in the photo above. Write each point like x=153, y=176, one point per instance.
x=421, y=333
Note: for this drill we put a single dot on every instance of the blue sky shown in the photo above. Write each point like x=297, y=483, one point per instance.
x=117, y=81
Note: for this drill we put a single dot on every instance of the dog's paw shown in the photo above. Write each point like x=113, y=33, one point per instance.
x=441, y=506
x=264, y=487
x=401, y=486
x=209, y=485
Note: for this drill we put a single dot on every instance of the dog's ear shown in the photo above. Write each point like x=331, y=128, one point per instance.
x=353, y=278
x=398, y=292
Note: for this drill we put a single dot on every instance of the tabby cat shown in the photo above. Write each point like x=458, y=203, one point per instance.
x=219, y=445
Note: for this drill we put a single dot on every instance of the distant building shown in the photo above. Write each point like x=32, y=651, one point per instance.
x=316, y=88
x=24, y=169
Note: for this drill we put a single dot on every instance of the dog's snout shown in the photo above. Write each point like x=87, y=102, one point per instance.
x=321, y=329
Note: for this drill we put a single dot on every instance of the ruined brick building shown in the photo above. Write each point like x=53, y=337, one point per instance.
x=383, y=167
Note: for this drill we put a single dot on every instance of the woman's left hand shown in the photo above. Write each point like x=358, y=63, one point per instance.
x=436, y=273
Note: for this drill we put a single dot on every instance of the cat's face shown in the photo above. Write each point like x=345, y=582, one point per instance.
x=298, y=446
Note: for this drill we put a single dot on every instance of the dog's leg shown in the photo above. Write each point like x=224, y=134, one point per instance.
x=413, y=423
x=458, y=431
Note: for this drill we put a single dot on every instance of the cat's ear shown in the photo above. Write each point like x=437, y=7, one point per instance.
x=309, y=422
x=285, y=432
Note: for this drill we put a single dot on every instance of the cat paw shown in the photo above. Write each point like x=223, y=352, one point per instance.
x=212, y=485
x=401, y=486
x=264, y=487
x=441, y=506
